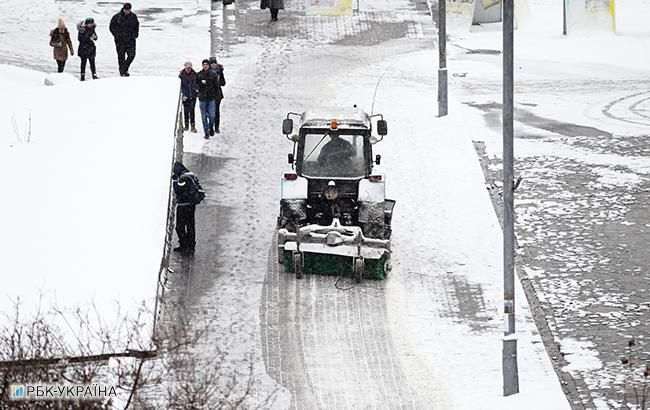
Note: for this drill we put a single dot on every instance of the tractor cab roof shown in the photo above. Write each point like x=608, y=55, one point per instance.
x=321, y=117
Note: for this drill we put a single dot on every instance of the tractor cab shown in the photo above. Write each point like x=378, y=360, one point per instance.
x=332, y=189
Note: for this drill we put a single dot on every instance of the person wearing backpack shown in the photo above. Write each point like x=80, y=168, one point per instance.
x=189, y=193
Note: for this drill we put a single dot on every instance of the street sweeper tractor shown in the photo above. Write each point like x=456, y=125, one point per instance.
x=334, y=216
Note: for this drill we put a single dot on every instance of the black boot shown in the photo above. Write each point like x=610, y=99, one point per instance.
x=95, y=77
x=83, y=77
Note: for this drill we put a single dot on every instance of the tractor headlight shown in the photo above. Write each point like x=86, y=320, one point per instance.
x=331, y=193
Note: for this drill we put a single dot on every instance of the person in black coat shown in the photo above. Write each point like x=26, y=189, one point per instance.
x=206, y=82
x=336, y=154
x=217, y=70
x=125, y=28
x=87, y=49
x=184, y=208
x=274, y=6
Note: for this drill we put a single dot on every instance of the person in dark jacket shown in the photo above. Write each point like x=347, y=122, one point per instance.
x=87, y=49
x=217, y=70
x=189, y=92
x=274, y=6
x=336, y=154
x=185, y=228
x=60, y=40
x=206, y=83
x=125, y=28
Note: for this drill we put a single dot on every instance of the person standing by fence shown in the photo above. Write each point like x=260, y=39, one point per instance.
x=60, y=40
x=189, y=193
x=125, y=28
x=189, y=93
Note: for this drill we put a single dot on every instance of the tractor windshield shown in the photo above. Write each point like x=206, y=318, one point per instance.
x=333, y=155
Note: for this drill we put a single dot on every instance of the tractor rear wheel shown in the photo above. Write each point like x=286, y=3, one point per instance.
x=358, y=269
x=298, y=264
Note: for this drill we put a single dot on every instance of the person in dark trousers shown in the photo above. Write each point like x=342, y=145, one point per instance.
x=217, y=70
x=189, y=92
x=205, y=81
x=125, y=28
x=87, y=49
x=274, y=6
x=61, y=42
x=184, y=208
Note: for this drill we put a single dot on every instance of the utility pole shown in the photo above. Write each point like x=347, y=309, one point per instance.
x=442, y=58
x=564, y=16
x=509, y=355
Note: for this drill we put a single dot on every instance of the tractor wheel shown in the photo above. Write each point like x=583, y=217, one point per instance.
x=280, y=251
x=298, y=264
x=358, y=269
x=388, y=266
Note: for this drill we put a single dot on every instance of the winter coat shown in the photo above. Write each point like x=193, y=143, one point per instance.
x=207, y=84
x=182, y=181
x=220, y=82
x=87, y=37
x=188, y=84
x=272, y=4
x=61, y=42
x=124, y=28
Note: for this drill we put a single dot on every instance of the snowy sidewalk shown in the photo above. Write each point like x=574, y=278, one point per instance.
x=429, y=336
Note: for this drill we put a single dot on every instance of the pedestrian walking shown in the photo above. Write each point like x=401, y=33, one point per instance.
x=189, y=92
x=60, y=40
x=274, y=6
x=125, y=28
x=206, y=84
x=189, y=193
x=217, y=70
x=87, y=49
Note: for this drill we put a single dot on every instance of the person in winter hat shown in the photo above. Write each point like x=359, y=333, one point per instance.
x=217, y=70
x=206, y=83
x=189, y=93
x=60, y=40
x=125, y=29
x=274, y=6
x=87, y=49
x=183, y=182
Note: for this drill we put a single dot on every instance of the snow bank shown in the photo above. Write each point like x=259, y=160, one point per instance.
x=85, y=203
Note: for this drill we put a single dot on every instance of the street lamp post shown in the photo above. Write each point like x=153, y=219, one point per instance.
x=442, y=58
x=509, y=354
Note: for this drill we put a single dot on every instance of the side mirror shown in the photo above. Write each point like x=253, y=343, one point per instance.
x=290, y=158
x=378, y=159
x=382, y=127
x=287, y=126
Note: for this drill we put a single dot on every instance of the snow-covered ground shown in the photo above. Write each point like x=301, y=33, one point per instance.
x=88, y=165
x=597, y=80
x=87, y=170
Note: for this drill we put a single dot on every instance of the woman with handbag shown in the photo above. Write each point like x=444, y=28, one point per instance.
x=61, y=42
x=274, y=6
